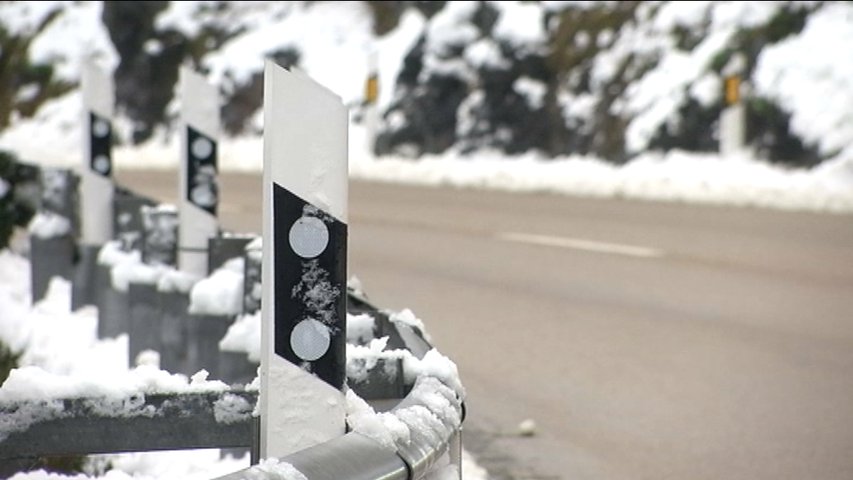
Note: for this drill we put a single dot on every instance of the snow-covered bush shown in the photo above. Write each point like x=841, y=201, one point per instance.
x=605, y=79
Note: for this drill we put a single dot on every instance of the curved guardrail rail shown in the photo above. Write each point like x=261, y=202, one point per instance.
x=432, y=411
x=355, y=456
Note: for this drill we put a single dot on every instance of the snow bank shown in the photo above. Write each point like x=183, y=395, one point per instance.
x=112, y=395
x=221, y=293
x=385, y=428
x=26, y=383
x=48, y=334
x=244, y=336
x=271, y=468
x=407, y=317
x=360, y=328
x=232, y=408
x=362, y=359
x=430, y=417
x=62, y=357
x=675, y=176
x=807, y=76
x=126, y=267
x=49, y=225
x=14, y=300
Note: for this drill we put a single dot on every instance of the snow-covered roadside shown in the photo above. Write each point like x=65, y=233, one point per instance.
x=676, y=176
x=62, y=357
x=801, y=72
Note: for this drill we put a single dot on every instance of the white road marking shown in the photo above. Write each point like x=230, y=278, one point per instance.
x=581, y=244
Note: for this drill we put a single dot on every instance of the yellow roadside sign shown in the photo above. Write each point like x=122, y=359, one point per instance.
x=371, y=89
x=732, y=89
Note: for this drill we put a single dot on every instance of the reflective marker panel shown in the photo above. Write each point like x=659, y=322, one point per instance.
x=100, y=141
x=371, y=89
x=310, y=279
x=732, y=89
x=310, y=339
x=202, y=185
x=308, y=237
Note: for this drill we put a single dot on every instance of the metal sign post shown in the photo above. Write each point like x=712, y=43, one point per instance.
x=199, y=187
x=303, y=308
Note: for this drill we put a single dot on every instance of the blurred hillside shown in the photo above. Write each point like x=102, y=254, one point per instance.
x=607, y=79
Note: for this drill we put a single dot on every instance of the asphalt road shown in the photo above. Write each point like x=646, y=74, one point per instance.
x=644, y=340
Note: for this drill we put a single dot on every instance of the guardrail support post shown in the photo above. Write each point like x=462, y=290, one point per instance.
x=252, y=290
x=128, y=230
x=52, y=251
x=96, y=179
x=144, y=320
x=151, y=322
x=455, y=451
x=303, y=311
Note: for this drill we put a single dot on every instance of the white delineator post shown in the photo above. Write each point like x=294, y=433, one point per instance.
x=199, y=187
x=733, y=116
x=303, y=309
x=371, y=98
x=96, y=183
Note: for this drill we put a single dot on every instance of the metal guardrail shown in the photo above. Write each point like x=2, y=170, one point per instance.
x=170, y=421
x=355, y=456
x=431, y=409
x=183, y=421
x=195, y=420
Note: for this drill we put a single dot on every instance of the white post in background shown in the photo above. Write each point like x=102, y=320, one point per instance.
x=733, y=116
x=371, y=98
x=303, y=309
x=199, y=187
x=96, y=183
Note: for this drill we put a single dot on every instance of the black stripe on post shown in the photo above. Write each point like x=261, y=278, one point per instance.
x=202, y=186
x=100, y=141
x=310, y=287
